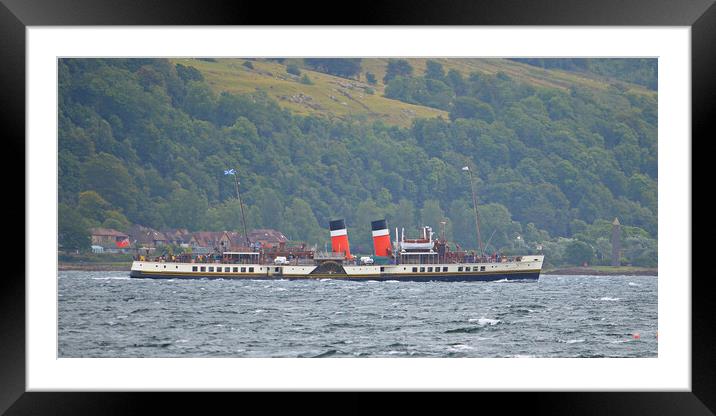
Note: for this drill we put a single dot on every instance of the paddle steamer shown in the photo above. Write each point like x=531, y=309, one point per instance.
x=419, y=259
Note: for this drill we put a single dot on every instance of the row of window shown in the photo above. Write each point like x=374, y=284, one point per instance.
x=218, y=269
x=415, y=269
x=437, y=269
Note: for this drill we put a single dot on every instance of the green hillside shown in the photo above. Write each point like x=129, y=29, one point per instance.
x=557, y=153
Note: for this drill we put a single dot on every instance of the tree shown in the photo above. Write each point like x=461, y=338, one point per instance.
x=199, y=101
x=559, y=108
x=342, y=67
x=92, y=206
x=225, y=216
x=189, y=73
x=462, y=218
x=301, y=224
x=228, y=109
x=643, y=189
x=271, y=208
x=578, y=253
x=73, y=231
x=428, y=92
x=370, y=77
x=496, y=225
x=293, y=69
x=360, y=234
x=69, y=171
x=404, y=215
x=434, y=70
x=115, y=220
x=108, y=177
x=532, y=234
x=641, y=251
x=185, y=210
x=397, y=68
x=431, y=214
x=468, y=107
x=456, y=82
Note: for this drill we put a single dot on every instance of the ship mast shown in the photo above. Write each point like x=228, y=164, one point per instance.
x=238, y=195
x=474, y=203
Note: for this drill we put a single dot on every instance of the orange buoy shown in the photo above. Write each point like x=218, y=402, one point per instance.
x=637, y=336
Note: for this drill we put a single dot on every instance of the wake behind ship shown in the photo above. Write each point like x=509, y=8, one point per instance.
x=419, y=259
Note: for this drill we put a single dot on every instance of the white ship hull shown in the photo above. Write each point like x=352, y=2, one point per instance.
x=527, y=268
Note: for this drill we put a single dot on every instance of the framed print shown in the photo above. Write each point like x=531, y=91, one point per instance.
x=228, y=168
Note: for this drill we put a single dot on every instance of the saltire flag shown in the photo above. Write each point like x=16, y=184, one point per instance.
x=230, y=172
x=465, y=168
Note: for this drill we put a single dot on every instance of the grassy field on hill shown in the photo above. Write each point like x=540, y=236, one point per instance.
x=537, y=77
x=328, y=95
x=339, y=97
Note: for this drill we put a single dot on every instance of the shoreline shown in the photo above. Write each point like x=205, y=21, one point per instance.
x=568, y=271
x=95, y=267
x=588, y=271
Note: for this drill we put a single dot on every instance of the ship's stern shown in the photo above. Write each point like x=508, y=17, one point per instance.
x=136, y=270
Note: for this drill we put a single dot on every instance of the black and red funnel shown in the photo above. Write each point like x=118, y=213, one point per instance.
x=339, y=237
x=381, y=238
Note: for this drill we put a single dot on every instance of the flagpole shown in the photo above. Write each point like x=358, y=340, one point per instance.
x=474, y=203
x=243, y=218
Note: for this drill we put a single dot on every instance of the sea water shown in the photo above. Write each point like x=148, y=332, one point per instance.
x=107, y=314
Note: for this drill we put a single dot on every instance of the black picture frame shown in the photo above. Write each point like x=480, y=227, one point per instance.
x=15, y=15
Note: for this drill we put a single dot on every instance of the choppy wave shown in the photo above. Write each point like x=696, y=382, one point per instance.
x=485, y=321
x=326, y=354
x=465, y=330
x=122, y=317
x=481, y=324
x=571, y=341
x=123, y=277
x=459, y=348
